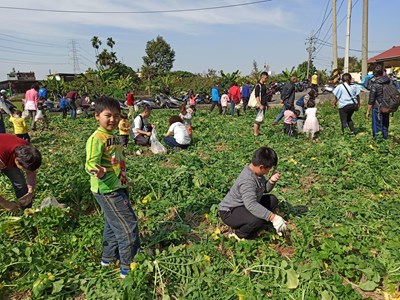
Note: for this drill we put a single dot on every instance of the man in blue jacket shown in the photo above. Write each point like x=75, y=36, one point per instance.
x=215, y=98
x=245, y=95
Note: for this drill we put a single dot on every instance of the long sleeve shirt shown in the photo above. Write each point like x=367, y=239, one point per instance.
x=247, y=191
x=215, y=94
x=31, y=99
x=8, y=144
x=104, y=149
x=19, y=125
x=246, y=91
x=234, y=94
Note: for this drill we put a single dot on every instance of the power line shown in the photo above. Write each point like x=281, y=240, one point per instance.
x=28, y=41
x=341, y=21
x=31, y=62
x=330, y=27
x=324, y=18
x=13, y=50
x=326, y=43
x=87, y=59
x=132, y=12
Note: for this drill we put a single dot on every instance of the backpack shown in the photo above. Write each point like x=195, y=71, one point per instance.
x=367, y=82
x=252, y=100
x=391, y=98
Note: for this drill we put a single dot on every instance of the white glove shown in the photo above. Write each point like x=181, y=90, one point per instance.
x=279, y=224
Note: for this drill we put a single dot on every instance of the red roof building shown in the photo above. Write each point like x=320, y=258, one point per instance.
x=390, y=58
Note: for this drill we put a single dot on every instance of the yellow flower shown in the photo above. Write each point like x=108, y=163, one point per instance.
x=148, y=198
x=134, y=266
x=207, y=258
x=293, y=161
x=215, y=235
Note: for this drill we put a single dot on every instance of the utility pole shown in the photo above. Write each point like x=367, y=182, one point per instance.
x=310, y=49
x=364, y=47
x=75, y=59
x=347, y=50
x=334, y=35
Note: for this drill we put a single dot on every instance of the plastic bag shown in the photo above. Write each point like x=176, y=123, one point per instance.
x=260, y=116
x=155, y=146
x=39, y=115
x=51, y=201
x=239, y=105
x=25, y=114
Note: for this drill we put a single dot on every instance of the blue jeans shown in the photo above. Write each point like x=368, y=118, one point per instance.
x=121, y=233
x=171, y=141
x=280, y=115
x=232, y=108
x=18, y=182
x=72, y=106
x=380, y=122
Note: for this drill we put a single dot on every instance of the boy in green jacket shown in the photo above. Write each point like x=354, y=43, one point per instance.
x=106, y=165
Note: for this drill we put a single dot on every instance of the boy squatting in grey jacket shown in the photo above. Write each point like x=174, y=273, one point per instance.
x=245, y=208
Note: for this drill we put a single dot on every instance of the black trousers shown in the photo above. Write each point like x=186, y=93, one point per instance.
x=245, y=102
x=244, y=222
x=290, y=129
x=213, y=103
x=345, y=114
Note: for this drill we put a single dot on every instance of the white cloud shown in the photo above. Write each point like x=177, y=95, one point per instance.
x=55, y=24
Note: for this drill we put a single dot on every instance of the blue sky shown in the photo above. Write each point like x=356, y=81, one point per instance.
x=227, y=39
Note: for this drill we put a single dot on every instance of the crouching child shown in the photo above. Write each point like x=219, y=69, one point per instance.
x=290, y=121
x=106, y=165
x=245, y=208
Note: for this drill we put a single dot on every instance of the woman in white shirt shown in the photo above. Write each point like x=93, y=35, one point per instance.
x=347, y=95
x=177, y=135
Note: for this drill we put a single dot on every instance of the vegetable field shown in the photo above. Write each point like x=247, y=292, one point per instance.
x=340, y=195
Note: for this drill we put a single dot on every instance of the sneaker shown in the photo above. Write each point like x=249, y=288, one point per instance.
x=105, y=263
x=123, y=273
x=274, y=123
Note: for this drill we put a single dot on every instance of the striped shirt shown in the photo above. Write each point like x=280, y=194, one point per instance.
x=104, y=149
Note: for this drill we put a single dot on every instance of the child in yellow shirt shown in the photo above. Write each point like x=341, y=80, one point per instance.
x=124, y=128
x=20, y=128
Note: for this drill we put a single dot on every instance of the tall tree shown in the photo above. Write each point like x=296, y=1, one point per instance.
x=159, y=58
x=110, y=42
x=105, y=58
x=354, y=64
x=96, y=43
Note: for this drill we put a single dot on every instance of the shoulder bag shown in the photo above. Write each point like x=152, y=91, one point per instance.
x=356, y=105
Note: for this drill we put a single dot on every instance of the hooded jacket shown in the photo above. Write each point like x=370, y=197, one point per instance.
x=376, y=91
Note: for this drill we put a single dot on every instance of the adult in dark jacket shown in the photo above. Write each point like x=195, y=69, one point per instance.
x=287, y=98
x=380, y=121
